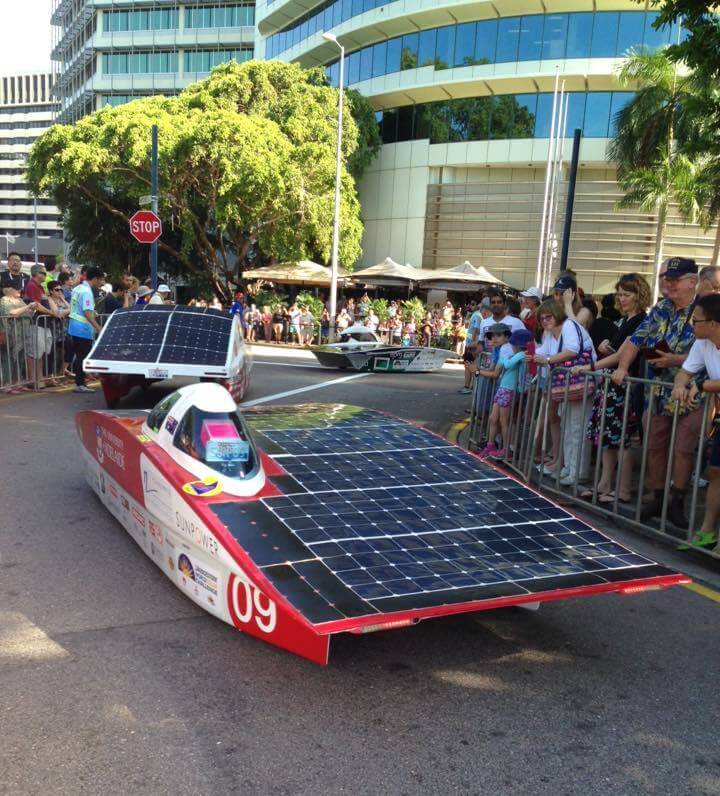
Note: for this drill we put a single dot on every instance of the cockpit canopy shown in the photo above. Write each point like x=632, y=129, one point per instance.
x=361, y=334
x=218, y=440
x=201, y=427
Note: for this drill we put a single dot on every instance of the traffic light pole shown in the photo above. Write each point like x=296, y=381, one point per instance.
x=154, y=204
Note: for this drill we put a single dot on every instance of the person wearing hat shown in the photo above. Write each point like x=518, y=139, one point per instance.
x=565, y=291
x=530, y=300
x=143, y=295
x=507, y=371
x=665, y=337
x=160, y=296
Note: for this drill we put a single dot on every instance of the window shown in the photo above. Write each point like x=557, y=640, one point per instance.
x=655, y=38
x=445, y=47
x=486, y=42
x=604, y=39
x=465, y=44
x=229, y=16
x=597, y=115
x=619, y=100
x=379, y=59
x=353, y=67
x=630, y=31
x=507, y=41
x=409, y=52
x=157, y=416
x=394, y=48
x=426, y=47
x=555, y=35
x=530, y=41
x=576, y=112
x=121, y=21
x=205, y=60
x=579, y=35
x=218, y=440
x=366, y=63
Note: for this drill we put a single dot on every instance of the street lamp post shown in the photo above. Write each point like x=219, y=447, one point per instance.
x=338, y=163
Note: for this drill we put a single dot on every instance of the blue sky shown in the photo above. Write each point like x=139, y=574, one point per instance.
x=26, y=36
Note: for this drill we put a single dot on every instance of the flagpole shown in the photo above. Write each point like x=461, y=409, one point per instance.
x=554, y=188
x=539, y=273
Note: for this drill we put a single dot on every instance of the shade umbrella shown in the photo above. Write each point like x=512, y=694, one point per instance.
x=463, y=277
x=389, y=273
x=302, y=272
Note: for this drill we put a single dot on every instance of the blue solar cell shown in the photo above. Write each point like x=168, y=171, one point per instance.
x=441, y=521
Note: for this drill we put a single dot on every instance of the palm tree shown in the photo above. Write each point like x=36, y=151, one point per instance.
x=651, y=169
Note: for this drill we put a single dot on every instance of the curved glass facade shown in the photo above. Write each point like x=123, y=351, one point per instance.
x=500, y=117
x=602, y=34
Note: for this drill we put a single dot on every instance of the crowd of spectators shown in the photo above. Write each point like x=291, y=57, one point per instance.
x=49, y=318
x=652, y=368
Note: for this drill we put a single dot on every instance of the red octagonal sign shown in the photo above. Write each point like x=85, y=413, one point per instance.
x=145, y=226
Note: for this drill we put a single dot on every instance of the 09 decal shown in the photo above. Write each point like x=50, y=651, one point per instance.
x=248, y=605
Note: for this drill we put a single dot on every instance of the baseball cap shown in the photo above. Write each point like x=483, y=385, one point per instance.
x=532, y=292
x=675, y=267
x=520, y=337
x=498, y=328
x=565, y=282
x=143, y=291
x=163, y=289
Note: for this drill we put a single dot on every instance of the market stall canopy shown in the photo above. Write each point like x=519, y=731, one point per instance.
x=388, y=272
x=462, y=277
x=303, y=272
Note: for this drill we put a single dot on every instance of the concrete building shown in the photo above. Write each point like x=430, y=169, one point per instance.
x=27, y=108
x=112, y=51
x=463, y=93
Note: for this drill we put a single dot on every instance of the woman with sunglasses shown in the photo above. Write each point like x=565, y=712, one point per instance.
x=632, y=299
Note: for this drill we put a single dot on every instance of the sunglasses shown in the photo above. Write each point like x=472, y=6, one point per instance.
x=57, y=289
x=544, y=318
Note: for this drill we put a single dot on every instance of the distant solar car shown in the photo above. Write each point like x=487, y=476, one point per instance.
x=295, y=523
x=143, y=344
x=360, y=348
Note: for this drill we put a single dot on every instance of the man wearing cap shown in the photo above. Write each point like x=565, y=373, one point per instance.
x=669, y=323
x=529, y=301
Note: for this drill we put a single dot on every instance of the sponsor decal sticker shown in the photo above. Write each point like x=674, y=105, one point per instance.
x=110, y=446
x=143, y=438
x=158, y=373
x=138, y=517
x=155, y=531
x=208, y=487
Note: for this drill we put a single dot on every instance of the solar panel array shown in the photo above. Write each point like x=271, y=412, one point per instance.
x=165, y=334
x=380, y=516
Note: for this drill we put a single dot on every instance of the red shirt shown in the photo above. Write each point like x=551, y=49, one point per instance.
x=33, y=291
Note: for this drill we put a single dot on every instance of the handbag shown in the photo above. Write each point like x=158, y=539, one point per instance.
x=576, y=383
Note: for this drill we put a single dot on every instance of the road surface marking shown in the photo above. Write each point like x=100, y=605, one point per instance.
x=288, y=393
x=704, y=591
x=288, y=364
x=456, y=429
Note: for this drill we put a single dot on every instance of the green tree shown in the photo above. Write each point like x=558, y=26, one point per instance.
x=246, y=164
x=651, y=169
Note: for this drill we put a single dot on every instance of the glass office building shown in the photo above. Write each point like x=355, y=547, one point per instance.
x=113, y=51
x=463, y=98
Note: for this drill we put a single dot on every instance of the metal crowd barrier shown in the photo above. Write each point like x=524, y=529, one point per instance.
x=529, y=441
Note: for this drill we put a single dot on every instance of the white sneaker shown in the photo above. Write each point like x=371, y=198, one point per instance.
x=465, y=391
x=568, y=480
x=84, y=389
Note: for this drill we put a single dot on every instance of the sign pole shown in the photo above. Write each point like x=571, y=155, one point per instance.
x=154, y=204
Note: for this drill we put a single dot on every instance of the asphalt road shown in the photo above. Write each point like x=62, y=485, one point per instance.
x=112, y=682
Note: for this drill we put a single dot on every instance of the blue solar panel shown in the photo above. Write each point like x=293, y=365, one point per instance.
x=395, y=518
x=165, y=334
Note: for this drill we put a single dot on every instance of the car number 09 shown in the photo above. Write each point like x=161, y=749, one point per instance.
x=265, y=616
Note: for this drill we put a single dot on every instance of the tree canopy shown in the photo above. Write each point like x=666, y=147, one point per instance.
x=246, y=171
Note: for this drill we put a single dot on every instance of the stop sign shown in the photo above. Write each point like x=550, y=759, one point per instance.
x=145, y=226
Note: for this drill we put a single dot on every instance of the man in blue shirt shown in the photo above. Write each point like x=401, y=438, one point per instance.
x=82, y=325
